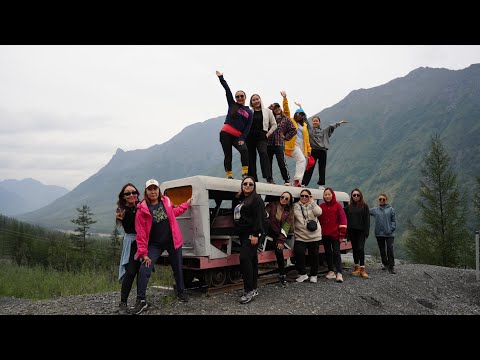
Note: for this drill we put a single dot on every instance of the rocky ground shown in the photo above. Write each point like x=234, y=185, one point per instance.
x=414, y=290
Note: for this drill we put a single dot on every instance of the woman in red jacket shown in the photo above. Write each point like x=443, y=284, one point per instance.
x=157, y=230
x=334, y=229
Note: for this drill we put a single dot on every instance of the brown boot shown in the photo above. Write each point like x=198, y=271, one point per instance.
x=363, y=273
x=356, y=270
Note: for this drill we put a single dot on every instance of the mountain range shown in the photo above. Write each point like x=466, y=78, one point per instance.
x=381, y=149
x=19, y=196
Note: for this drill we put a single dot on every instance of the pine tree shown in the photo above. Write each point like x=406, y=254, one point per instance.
x=83, y=221
x=115, y=245
x=441, y=237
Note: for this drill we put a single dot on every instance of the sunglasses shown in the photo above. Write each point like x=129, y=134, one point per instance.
x=305, y=196
x=284, y=198
x=239, y=96
x=382, y=199
x=355, y=195
x=247, y=184
x=130, y=193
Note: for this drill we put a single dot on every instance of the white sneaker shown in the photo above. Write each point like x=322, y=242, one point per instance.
x=287, y=183
x=330, y=275
x=313, y=279
x=339, y=278
x=301, y=278
x=321, y=187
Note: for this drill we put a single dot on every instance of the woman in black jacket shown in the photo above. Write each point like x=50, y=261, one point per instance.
x=249, y=216
x=358, y=227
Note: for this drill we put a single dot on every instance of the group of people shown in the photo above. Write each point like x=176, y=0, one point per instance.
x=271, y=131
x=312, y=223
x=150, y=228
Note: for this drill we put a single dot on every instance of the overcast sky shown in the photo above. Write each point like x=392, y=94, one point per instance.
x=64, y=110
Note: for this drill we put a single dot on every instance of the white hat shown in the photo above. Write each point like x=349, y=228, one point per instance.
x=151, y=182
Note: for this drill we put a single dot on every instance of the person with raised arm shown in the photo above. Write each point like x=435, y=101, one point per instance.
x=320, y=143
x=235, y=129
x=299, y=146
x=276, y=143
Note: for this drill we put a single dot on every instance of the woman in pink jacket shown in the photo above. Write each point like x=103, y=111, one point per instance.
x=157, y=230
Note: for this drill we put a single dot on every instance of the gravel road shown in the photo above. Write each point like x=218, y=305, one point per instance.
x=415, y=290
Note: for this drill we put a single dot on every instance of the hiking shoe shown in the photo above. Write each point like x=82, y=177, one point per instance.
x=339, y=278
x=391, y=270
x=270, y=180
x=245, y=299
x=140, y=305
x=122, y=308
x=356, y=270
x=363, y=273
x=182, y=296
x=330, y=275
x=283, y=279
x=301, y=278
x=313, y=279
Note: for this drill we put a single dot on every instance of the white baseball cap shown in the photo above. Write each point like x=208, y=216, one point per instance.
x=151, y=182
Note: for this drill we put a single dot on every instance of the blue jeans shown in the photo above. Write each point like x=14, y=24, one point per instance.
x=154, y=252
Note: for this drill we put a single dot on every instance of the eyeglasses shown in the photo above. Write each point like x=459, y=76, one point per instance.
x=130, y=193
x=247, y=184
x=239, y=96
x=305, y=196
x=382, y=199
x=355, y=195
x=284, y=198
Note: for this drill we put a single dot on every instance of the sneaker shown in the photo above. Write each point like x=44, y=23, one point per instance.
x=391, y=270
x=296, y=183
x=330, y=275
x=339, y=278
x=230, y=177
x=122, y=308
x=140, y=305
x=182, y=296
x=321, y=187
x=287, y=183
x=245, y=299
x=270, y=180
x=313, y=279
x=255, y=292
x=301, y=278
x=384, y=267
x=244, y=176
x=283, y=279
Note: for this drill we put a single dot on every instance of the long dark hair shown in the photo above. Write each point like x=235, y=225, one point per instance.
x=290, y=203
x=361, y=202
x=250, y=198
x=121, y=200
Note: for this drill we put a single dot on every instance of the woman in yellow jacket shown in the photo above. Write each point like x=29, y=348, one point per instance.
x=299, y=146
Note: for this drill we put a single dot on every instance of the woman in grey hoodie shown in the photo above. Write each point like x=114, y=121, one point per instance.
x=385, y=225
